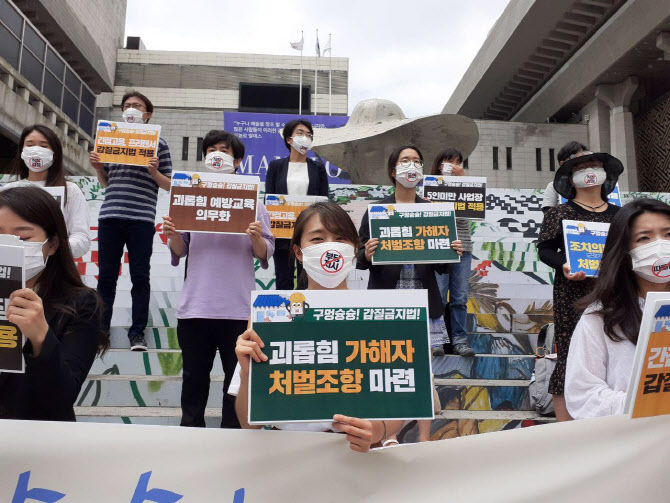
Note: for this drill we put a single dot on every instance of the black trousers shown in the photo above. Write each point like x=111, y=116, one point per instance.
x=199, y=340
x=285, y=270
x=113, y=235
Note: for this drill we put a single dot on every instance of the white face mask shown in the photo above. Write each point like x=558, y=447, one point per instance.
x=589, y=177
x=447, y=168
x=133, y=116
x=652, y=261
x=302, y=144
x=37, y=159
x=328, y=263
x=220, y=162
x=408, y=177
x=34, y=255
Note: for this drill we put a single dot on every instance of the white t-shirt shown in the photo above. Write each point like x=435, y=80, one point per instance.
x=551, y=198
x=297, y=179
x=75, y=213
x=234, y=390
x=598, y=369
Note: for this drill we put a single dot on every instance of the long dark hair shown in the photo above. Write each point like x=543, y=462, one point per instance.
x=56, y=172
x=59, y=281
x=616, y=287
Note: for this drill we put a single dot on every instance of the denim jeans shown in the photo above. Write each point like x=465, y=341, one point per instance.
x=113, y=235
x=457, y=283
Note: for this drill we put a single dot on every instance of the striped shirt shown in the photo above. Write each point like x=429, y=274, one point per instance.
x=131, y=192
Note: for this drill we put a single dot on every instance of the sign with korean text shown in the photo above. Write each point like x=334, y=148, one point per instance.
x=11, y=279
x=468, y=193
x=284, y=211
x=58, y=193
x=213, y=202
x=413, y=233
x=613, y=198
x=362, y=353
x=126, y=143
x=649, y=388
x=584, y=245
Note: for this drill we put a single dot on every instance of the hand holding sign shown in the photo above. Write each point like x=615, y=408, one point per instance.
x=578, y=276
x=249, y=345
x=27, y=312
x=370, y=248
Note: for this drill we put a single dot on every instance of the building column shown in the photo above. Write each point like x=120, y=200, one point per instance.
x=622, y=130
x=663, y=43
x=596, y=114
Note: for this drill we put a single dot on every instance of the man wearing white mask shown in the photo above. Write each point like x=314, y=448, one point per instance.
x=127, y=218
x=634, y=263
x=214, y=303
x=295, y=175
x=585, y=179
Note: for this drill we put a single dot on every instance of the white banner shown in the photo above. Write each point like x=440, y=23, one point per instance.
x=612, y=459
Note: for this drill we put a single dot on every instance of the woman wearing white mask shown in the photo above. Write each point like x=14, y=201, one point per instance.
x=59, y=316
x=39, y=162
x=405, y=169
x=585, y=179
x=320, y=228
x=214, y=302
x=295, y=175
x=602, y=350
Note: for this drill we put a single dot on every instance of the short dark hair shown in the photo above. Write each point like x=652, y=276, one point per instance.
x=395, y=155
x=570, y=148
x=134, y=94
x=445, y=155
x=220, y=136
x=290, y=127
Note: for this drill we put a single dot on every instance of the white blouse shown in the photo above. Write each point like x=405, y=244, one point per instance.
x=297, y=179
x=75, y=212
x=598, y=369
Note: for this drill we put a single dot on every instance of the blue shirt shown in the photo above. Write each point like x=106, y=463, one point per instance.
x=131, y=192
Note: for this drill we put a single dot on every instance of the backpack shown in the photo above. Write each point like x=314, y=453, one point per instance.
x=538, y=390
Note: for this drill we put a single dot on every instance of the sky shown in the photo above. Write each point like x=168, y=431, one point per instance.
x=411, y=52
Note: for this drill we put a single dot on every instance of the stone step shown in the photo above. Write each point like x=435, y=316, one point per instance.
x=152, y=415
x=484, y=343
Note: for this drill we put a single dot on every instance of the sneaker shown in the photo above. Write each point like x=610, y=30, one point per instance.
x=464, y=349
x=438, y=351
x=137, y=342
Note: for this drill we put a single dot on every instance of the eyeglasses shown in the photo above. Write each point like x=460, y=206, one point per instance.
x=308, y=135
x=137, y=106
x=409, y=164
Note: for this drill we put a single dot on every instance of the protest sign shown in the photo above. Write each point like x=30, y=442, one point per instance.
x=11, y=279
x=261, y=134
x=649, y=388
x=284, y=211
x=613, y=198
x=58, y=193
x=468, y=193
x=362, y=353
x=126, y=143
x=213, y=202
x=413, y=233
x=584, y=245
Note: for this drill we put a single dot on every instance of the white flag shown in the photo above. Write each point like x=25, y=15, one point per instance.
x=298, y=45
x=318, y=49
x=328, y=47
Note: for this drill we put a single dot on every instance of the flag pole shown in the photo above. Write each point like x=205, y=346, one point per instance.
x=302, y=38
x=316, y=74
x=330, y=74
